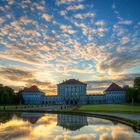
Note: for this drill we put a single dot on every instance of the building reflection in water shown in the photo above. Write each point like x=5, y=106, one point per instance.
x=68, y=122
x=71, y=122
x=31, y=117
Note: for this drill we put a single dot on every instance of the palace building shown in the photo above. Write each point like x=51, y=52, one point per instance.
x=33, y=95
x=73, y=92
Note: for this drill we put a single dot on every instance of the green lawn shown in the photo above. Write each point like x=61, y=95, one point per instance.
x=138, y=121
x=111, y=108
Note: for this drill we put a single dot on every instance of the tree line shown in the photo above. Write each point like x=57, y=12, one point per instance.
x=9, y=97
x=133, y=93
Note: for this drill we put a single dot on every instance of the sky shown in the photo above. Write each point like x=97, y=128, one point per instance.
x=43, y=42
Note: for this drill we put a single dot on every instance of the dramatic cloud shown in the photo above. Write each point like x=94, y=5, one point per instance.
x=47, y=17
x=125, y=22
x=100, y=23
x=83, y=16
x=59, y=2
x=75, y=7
x=118, y=133
x=44, y=43
x=24, y=129
x=22, y=76
x=67, y=29
x=1, y=20
x=77, y=137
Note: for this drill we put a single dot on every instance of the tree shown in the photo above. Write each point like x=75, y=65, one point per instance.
x=138, y=98
x=7, y=95
x=19, y=97
x=131, y=94
x=137, y=83
x=137, y=88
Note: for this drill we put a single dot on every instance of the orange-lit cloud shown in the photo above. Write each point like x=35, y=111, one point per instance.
x=66, y=39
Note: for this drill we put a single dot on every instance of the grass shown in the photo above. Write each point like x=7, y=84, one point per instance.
x=138, y=121
x=135, y=120
x=110, y=108
x=126, y=108
x=19, y=106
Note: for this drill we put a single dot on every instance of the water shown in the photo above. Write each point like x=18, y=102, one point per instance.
x=37, y=126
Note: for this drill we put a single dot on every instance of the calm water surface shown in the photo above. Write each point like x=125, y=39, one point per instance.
x=36, y=126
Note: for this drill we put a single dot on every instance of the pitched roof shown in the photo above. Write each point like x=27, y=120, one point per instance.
x=114, y=87
x=32, y=118
x=72, y=127
x=72, y=81
x=31, y=89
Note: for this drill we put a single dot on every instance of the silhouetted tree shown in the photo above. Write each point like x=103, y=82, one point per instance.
x=133, y=93
x=19, y=97
x=7, y=95
x=137, y=83
x=137, y=88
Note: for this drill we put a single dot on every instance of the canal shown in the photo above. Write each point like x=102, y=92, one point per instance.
x=39, y=126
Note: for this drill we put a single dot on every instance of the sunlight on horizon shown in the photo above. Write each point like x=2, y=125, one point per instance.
x=45, y=42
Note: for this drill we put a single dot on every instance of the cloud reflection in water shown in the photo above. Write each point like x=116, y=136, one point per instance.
x=35, y=126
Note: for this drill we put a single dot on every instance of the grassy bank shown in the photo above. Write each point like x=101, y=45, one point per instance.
x=110, y=108
x=2, y=107
x=127, y=108
x=138, y=121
